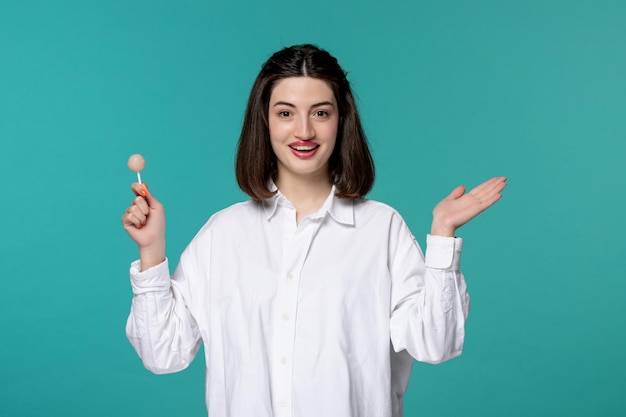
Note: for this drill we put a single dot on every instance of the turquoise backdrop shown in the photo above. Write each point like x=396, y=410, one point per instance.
x=450, y=92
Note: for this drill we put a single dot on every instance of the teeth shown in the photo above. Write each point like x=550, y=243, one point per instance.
x=303, y=148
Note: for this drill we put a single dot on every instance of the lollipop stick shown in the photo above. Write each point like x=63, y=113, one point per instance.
x=139, y=177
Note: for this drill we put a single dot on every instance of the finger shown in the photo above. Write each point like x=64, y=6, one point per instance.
x=139, y=189
x=136, y=213
x=142, y=204
x=130, y=220
x=484, y=186
x=495, y=187
x=457, y=192
x=491, y=201
x=489, y=187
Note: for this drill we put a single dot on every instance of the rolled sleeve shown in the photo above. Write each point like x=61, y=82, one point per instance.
x=153, y=279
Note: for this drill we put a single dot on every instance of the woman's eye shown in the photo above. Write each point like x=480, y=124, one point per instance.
x=284, y=113
x=321, y=113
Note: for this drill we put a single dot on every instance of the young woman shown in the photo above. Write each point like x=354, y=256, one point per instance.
x=310, y=299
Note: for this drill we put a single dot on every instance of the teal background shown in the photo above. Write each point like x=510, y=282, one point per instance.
x=450, y=92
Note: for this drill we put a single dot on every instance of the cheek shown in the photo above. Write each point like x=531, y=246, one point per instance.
x=275, y=145
x=331, y=133
x=277, y=130
x=277, y=141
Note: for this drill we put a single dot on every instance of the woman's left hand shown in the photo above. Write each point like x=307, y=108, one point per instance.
x=459, y=208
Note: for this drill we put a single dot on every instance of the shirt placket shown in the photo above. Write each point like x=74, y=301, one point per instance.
x=296, y=245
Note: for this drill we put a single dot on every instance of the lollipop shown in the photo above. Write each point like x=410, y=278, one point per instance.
x=136, y=163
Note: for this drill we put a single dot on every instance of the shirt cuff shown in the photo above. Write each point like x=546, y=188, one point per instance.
x=152, y=279
x=443, y=252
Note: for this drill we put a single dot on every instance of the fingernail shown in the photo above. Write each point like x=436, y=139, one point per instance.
x=143, y=192
x=140, y=226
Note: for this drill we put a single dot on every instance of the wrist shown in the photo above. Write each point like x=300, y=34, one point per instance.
x=152, y=255
x=440, y=230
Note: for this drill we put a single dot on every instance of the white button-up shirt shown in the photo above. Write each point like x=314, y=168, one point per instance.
x=321, y=318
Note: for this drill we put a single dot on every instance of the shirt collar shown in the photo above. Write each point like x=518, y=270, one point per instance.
x=270, y=204
x=340, y=209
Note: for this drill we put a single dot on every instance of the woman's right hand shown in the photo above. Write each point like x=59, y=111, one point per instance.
x=144, y=221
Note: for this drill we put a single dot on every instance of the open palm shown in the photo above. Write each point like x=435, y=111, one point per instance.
x=459, y=207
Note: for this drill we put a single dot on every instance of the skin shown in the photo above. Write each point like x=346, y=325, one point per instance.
x=459, y=208
x=144, y=220
x=302, y=113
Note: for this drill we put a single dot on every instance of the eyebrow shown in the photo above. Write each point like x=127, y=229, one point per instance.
x=321, y=103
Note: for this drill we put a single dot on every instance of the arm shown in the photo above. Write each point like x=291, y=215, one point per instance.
x=160, y=326
x=429, y=299
x=430, y=303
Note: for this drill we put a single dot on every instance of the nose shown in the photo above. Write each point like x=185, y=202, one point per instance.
x=304, y=128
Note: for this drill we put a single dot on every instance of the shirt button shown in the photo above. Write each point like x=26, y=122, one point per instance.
x=290, y=276
x=283, y=360
x=282, y=404
x=285, y=316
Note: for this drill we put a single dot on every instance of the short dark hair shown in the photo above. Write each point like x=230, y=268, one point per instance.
x=351, y=167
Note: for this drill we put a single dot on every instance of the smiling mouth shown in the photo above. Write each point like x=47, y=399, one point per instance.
x=304, y=148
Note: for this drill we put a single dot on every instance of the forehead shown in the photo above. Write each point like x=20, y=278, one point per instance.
x=302, y=91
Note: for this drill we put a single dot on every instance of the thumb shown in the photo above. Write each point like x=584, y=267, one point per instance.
x=457, y=192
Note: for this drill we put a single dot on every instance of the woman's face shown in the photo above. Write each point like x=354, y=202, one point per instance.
x=303, y=122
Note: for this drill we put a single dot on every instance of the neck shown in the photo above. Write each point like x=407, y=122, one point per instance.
x=307, y=194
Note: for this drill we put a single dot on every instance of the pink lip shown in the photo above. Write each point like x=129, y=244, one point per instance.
x=303, y=154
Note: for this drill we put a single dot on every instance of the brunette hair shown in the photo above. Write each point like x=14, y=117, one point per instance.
x=351, y=167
